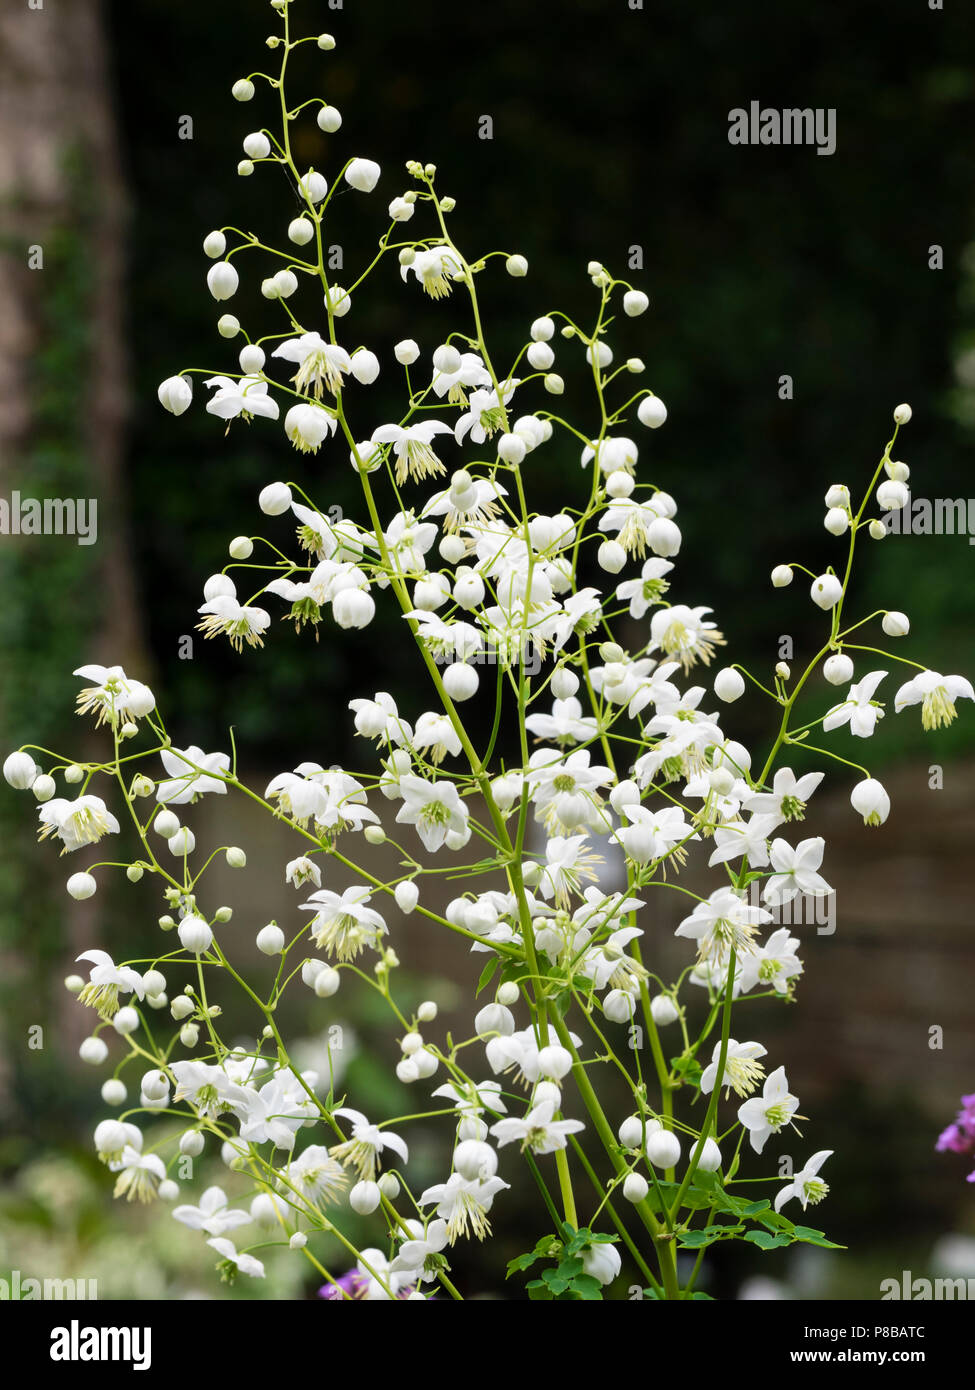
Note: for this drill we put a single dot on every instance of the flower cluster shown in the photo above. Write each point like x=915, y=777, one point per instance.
x=563, y=849
x=959, y=1137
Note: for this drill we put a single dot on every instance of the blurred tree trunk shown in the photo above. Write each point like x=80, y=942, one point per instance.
x=62, y=407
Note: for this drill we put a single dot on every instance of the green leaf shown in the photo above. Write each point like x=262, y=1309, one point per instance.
x=487, y=974
x=766, y=1241
x=753, y=1208
x=814, y=1237
x=538, y=1290
x=571, y=1267
x=587, y=1287
x=519, y=1263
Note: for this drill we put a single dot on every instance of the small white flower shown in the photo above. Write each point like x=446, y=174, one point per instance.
x=859, y=709
x=76, y=823
x=212, y=1215
x=870, y=798
x=246, y=1264
x=936, y=694
x=806, y=1185
x=770, y=1112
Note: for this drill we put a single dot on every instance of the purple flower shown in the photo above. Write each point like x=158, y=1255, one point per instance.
x=352, y=1285
x=959, y=1137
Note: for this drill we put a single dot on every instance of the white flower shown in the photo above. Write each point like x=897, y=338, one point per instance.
x=412, y=448
x=308, y=425
x=565, y=793
x=826, y=591
x=464, y=1204
x=795, y=871
x=212, y=1215
x=105, y=980
x=114, y=695
x=859, y=709
x=742, y=1069
x=870, y=798
x=722, y=924
x=209, y=1089
x=80, y=822
x=653, y=834
x=769, y=1113
x=320, y=364
x=568, y=862
x=684, y=634
x=317, y=1176
x=361, y=1152
x=736, y=838
x=175, y=394
x=301, y=871
x=247, y=397
x=239, y=622
x=277, y=1111
x=435, y=808
x=185, y=783
x=247, y=1264
x=936, y=694
x=649, y=589
x=806, y=1185
x=775, y=963
x=362, y=174
x=379, y=718
x=602, y=1261
x=788, y=797
x=344, y=924
x=432, y=268
x=139, y=1175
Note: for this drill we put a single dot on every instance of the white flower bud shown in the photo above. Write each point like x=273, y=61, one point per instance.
x=540, y=356
x=475, y=1161
x=838, y=496
x=619, y=1006
x=222, y=280
x=43, y=787
x=166, y=824
x=431, y=594
x=256, y=146
x=896, y=624
x=631, y=1132
x=870, y=798
x=19, y=771
x=494, y=1018
x=664, y=1010
x=902, y=414
x=243, y=89
x=406, y=1071
x=452, y=549
x=425, y=1063
x=554, y=384
x=826, y=591
x=374, y=834
x=285, y=283
x=93, y=1051
x=155, y=1085
x=516, y=266
x=651, y=412
x=353, y=608
x=228, y=325
x=182, y=843
x=620, y=483
x=783, y=670
x=542, y=329
x=175, y=394
x=195, y=935
x=327, y=982
x=878, y=530
x=365, y=1197
x=897, y=470
x=363, y=174
x=664, y=536
x=602, y=1262
x=406, y=352
x=114, y=1092
x=891, y=495
x=407, y=895
x=365, y=366
x=511, y=448
x=468, y=589
x=181, y=1007
x=81, y=886
x=389, y=1186
x=264, y=1210
x=729, y=684
x=611, y=557
x=126, y=1021
x=301, y=230
x=838, y=669
x=554, y=1062
x=565, y=683
x=329, y=119
x=241, y=548
x=710, y=1160
x=326, y=42
x=270, y=939
x=313, y=186
x=427, y=1011
x=781, y=576
x=635, y=1187
x=663, y=1148
x=836, y=521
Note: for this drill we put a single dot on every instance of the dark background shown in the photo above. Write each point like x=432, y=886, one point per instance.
x=609, y=132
